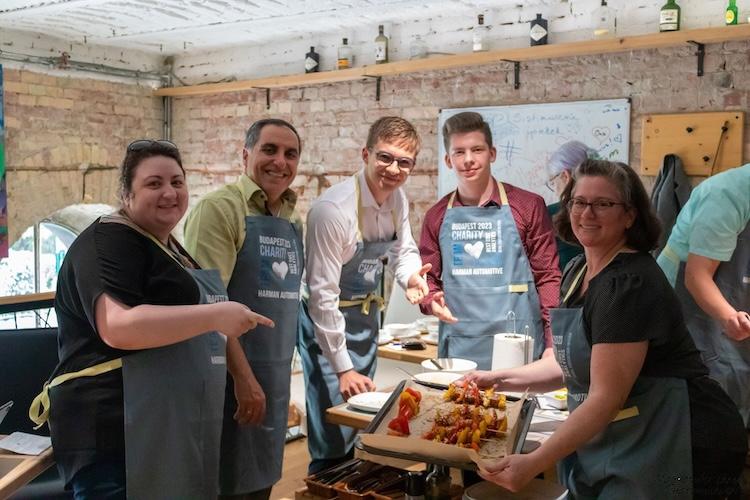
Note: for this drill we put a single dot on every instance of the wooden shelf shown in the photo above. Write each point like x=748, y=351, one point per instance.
x=582, y=48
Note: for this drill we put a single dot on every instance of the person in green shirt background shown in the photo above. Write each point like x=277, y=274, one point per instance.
x=560, y=167
x=251, y=232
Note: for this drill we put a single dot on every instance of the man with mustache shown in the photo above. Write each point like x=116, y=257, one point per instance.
x=350, y=228
x=491, y=248
x=252, y=233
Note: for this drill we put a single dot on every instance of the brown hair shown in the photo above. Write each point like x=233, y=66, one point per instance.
x=468, y=121
x=134, y=157
x=643, y=235
x=396, y=130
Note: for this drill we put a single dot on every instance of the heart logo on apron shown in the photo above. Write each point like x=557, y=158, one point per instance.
x=474, y=249
x=280, y=269
x=370, y=275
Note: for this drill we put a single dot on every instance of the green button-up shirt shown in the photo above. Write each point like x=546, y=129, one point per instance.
x=215, y=228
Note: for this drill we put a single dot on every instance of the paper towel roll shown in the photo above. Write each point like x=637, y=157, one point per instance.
x=508, y=350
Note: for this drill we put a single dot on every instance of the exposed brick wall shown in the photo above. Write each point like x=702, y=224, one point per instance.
x=333, y=119
x=65, y=138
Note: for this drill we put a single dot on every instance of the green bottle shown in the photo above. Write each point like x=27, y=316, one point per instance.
x=669, y=18
x=731, y=14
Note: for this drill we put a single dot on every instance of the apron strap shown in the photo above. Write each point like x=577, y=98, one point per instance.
x=39, y=408
x=500, y=188
x=671, y=255
x=365, y=303
x=358, y=194
x=626, y=413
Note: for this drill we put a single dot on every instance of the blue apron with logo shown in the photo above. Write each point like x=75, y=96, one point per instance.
x=266, y=278
x=646, y=451
x=359, y=280
x=174, y=396
x=486, y=274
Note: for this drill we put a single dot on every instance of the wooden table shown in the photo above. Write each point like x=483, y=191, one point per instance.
x=18, y=470
x=392, y=351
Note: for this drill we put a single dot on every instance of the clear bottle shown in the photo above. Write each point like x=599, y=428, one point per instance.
x=381, y=47
x=731, y=13
x=418, y=48
x=538, y=31
x=479, y=38
x=345, y=55
x=438, y=483
x=669, y=16
x=604, y=21
x=312, y=61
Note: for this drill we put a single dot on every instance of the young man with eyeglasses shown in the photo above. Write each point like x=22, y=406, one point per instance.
x=250, y=231
x=350, y=228
x=491, y=248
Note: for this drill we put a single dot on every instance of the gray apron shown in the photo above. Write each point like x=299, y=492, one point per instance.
x=646, y=451
x=174, y=397
x=359, y=280
x=485, y=275
x=728, y=360
x=266, y=278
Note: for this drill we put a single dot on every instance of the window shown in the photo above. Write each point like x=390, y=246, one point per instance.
x=31, y=267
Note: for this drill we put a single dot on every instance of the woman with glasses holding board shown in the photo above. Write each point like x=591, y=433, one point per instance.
x=135, y=405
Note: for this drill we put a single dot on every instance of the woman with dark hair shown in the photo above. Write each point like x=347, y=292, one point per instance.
x=135, y=404
x=646, y=421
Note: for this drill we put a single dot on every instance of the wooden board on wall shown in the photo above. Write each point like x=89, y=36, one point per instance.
x=695, y=138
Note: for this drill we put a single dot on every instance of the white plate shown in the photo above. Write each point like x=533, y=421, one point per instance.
x=369, y=401
x=401, y=330
x=440, y=378
x=384, y=337
x=455, y=365
x=431, y=339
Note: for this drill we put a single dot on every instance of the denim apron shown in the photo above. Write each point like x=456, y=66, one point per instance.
x=728, y=360
x=485, y=275
x=359, y=281
x=266, y=278
x=646, y=451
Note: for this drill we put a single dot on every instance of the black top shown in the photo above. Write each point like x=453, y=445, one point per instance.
x=86, y=416
x=631, y=300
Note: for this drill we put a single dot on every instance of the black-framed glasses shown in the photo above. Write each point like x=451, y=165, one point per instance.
x=385, y=159
x=142, y=144
x=578, y=205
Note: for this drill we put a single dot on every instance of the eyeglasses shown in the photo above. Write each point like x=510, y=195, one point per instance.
x=142, y=144
x=551, y=182
x=386, y=160
x=578, y=205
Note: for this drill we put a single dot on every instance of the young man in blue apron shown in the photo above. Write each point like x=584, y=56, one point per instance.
x=251, y=232
x=492, y=250
x=707, y=260
x=349, y=230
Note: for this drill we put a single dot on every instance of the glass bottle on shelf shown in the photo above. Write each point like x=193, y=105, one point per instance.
x=438, y=483
x=312, y=61
x=417, y=48
x=604, y=21
x=669, y=16
x=538, y=31
x=345, y=55
x=479, y=38
x=381, y=47
x=731, y=13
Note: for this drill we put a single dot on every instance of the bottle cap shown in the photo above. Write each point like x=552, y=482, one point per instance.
x=414, y=484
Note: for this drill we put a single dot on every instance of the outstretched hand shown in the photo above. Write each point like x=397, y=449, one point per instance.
x=416, y=287
x=440, y=309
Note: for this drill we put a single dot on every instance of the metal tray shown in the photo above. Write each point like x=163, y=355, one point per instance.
x=527, y=412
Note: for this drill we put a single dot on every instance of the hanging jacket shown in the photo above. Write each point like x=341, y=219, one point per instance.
x=670, y=193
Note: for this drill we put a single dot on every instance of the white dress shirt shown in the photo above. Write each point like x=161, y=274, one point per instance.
x=331, y=241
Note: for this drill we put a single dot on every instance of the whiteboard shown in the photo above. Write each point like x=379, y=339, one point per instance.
x=526, y=135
